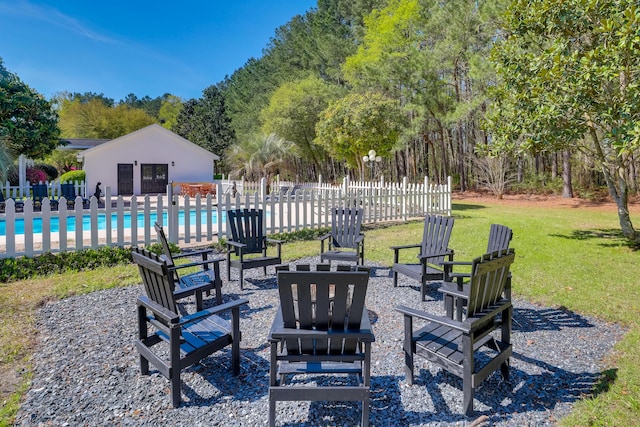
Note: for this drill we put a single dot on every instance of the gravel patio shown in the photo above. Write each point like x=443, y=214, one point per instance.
x=87, y=370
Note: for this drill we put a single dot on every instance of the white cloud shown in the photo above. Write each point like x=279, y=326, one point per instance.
x=51, y=16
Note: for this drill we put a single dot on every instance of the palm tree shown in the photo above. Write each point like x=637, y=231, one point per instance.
x=259, y=157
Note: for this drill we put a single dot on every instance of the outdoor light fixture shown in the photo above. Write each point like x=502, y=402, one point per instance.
x=372, y=158
x=173, y=163
x=135, y=162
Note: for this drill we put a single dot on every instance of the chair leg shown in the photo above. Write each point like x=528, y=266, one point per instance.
x=144, y=366
x=504, y=370
x=241, y=271
x=467, y=376
x=408, y=349
x=365, y=412
x=395, y=279
x=175, y=388
x=199, y=304
x=174, y=357
x=272, y=412
x=423, y=292
x=235, y=336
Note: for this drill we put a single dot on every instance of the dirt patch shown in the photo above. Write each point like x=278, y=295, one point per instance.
x=9, y=380
x=528, y=200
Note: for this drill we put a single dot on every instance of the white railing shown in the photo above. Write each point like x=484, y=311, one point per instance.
x=18, y=192
x=195, y=220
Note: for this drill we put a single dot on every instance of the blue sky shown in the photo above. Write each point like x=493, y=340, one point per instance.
x=143, y=47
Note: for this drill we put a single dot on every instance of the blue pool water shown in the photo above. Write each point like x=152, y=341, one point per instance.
x=102, y=222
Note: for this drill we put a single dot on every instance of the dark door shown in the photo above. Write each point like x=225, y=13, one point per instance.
x=154, y=178
x=125, y=179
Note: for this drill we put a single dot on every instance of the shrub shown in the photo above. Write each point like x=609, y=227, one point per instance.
x=12, y=269
x=50, y=170
x=73, y=176
x=36, y=175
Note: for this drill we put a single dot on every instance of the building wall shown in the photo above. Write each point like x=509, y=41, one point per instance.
x=191, y=163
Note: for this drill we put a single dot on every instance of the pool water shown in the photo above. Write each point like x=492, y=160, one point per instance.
x=102, y=222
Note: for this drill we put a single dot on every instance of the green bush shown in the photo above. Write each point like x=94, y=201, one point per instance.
x=306, y=234
x=73, y=176
x=12, y=269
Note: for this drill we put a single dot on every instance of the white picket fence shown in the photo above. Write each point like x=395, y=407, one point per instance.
x=17, y=192
x=196, y=220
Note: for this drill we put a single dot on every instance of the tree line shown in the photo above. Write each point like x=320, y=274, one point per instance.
x=496, y=93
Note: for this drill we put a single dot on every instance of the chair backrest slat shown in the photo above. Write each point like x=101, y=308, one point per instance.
x=40, y=191
x=323, y=301
x=437, y=232
x=488, y=279
x=68, y=191
x=345, y=227
x=499, y=238
x=156, y=277
x=246, y=227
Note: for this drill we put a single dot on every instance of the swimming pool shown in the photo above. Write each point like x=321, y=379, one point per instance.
x=102, y=222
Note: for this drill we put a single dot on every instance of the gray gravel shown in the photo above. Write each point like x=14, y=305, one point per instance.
x=87, y=370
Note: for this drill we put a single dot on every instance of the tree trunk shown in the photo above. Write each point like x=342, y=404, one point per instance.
x=618, y=190
x=567, y=188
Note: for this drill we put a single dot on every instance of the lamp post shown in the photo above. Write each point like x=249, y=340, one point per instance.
x=371, y=159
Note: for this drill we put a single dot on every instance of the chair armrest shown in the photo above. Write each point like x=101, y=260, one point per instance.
x=278, y=332
x=441, y=254
x=276, y=241
x=325, y=237
x=395, y=248
x=491, y=311
x=158, y=311
x=236, y=244
x=359, y=239
x=196, y=263
x=454, y=263
x=213, y=310
x=445, y=321
x=449, y=288
x=288, y=333
x=201, y=252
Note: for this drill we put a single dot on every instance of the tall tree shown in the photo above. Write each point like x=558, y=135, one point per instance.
x=94, y=119
x=569, y=73
x=205, y=122
x=292, y=114
x=432, y=57
x=357, y=123
x=28, y=123
x=169, y=111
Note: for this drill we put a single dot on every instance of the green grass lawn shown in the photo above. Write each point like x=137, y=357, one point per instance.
x=573, y=258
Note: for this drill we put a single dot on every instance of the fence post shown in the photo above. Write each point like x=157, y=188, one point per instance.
x=448, y=194
x=425, y=198
x=404, y=198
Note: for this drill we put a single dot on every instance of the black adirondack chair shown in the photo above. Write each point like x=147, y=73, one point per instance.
x=454, y=344
x=345, y=241
x=247, y=238
x=18, y=204
x=68, y=191
x=179, y=341
x=433, y=250
x=499, y=239
x=321, y=328
x=196, y=283
x=41, y=192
